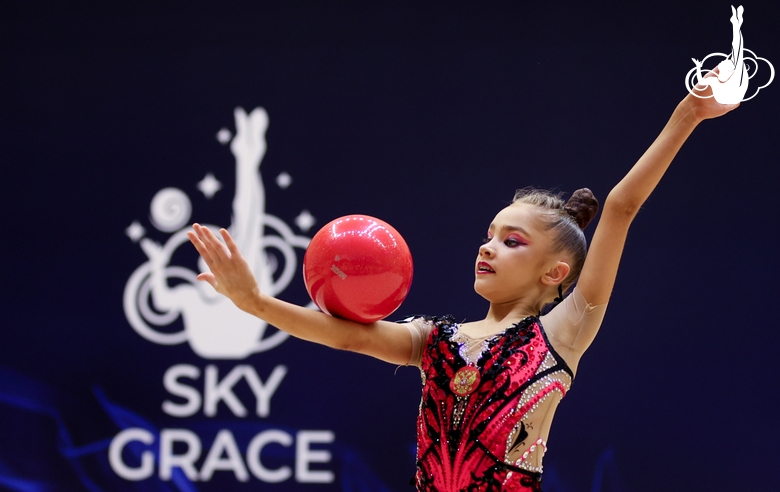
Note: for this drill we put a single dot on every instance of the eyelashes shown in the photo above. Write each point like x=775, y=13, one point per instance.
x=510, y=241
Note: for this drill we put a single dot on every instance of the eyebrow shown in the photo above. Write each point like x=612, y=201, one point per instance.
x=512, y=228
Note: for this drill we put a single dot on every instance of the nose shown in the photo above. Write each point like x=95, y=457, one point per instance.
x=486, y=250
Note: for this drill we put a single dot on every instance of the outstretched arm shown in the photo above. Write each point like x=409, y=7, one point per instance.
x=231, y=276
x=623, y=202
x=625, y=199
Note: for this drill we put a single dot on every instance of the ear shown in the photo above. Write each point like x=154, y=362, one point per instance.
x=556, y=274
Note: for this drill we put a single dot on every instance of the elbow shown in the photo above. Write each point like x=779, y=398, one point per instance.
x=623, y=206
x=352, y=340
x=358, y=338
x=346, y=344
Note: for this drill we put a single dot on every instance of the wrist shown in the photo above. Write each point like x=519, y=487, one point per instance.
x=251, y=302
x=687, y=112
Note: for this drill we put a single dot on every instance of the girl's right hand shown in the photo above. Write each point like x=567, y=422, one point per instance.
x=229, y=273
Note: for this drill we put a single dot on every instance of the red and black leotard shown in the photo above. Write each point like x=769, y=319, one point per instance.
x=483, y=428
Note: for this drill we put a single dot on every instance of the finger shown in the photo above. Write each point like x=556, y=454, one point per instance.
x=195, y=240
x=199, y=245
x=199, y=232
x=231, y=244
x=208, y=277
x=216, y=248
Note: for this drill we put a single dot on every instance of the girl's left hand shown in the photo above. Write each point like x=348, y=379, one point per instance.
x=704, y=109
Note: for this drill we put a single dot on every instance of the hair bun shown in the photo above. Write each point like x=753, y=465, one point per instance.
x=583, y=206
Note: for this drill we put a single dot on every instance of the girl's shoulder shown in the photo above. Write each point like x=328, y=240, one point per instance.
x=421, y=321
x=422, y=328
x=572, y=325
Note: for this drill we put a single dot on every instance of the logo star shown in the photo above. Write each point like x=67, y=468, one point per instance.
x=284, y=180
x=135, y=231
x=209, y=185
x=224, y=136
x=305, y=221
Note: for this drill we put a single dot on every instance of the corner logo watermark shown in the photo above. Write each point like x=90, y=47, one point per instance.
x=734, y=71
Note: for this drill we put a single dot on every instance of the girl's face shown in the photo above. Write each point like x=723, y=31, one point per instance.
x=515, y=261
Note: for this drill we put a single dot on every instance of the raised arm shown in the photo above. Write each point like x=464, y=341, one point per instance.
x=231, y=276
x=625, y=199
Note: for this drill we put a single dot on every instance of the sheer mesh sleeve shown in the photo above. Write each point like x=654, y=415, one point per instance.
x=572, y=325
x=419, y=329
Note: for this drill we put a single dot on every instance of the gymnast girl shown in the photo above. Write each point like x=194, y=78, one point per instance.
x=491, y=387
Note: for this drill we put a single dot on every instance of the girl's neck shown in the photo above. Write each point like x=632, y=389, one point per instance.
x=499, y=318
x=509, y=313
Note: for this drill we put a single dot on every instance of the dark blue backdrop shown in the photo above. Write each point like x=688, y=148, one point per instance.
x=427, y=115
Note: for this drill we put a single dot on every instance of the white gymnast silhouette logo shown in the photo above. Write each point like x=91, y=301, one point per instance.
x=730, y=83
x=213, y=326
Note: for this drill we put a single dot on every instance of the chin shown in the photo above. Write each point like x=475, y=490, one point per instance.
x=477, y=288
x=483, y=292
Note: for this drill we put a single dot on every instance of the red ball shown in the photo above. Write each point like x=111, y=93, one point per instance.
x=358, y=267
